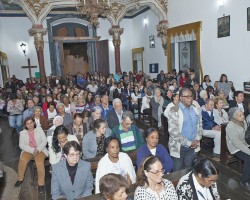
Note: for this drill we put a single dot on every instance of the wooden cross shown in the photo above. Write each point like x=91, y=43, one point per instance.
x=29, y=67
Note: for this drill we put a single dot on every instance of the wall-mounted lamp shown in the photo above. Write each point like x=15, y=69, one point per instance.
x=151, y=41
x=221, y=2
x=23, y=46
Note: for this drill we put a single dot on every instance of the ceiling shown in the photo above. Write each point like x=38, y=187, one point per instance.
x=9, y=6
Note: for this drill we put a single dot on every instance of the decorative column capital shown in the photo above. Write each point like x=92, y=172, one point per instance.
x=38, y=32
x=162, y=33
x=36, y=6
x=116, y=31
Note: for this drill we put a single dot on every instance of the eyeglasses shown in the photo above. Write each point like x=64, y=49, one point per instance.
x=188, y=97
x=158, y=172
x=74, y=155
x=128, y=123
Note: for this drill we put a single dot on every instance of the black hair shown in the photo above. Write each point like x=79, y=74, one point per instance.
x=70, y=144
x=13, y=96
x=97, y=124
x=27, y=119
x=184, y=90
x=236, y=93
x=59, y=130
x=109, y=139
x=149, y=131
x=204, y=167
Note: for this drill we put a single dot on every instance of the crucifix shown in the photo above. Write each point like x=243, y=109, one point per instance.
x=29, y=67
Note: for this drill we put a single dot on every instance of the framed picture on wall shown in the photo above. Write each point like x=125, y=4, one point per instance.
x=248, y=19
x=154, y=68
x=224, y=26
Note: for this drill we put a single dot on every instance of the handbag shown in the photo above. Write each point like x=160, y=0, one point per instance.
x=247, y=134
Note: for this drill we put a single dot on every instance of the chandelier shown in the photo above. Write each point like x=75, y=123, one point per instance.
x=92, y=9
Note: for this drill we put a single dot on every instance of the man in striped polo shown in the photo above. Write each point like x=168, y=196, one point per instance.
x=127, y=133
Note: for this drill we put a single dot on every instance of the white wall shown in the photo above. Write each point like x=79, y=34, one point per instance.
x=13, y=32
x=228, y=55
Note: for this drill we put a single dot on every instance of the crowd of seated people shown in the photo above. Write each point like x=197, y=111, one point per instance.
x=95, y=114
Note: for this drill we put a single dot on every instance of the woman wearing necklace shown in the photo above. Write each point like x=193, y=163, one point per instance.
x=200, y=183
x=115, y=162
x=150, y=183
x=220, y=115
x=93, y=141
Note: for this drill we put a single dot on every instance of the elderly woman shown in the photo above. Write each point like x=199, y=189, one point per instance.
x=203, y=98
x=220, y=115
x=113, y=186
x=56, y=143
x=71, y=178
x=15, y=109
x=236, y=142
x=157, y=102
x=153, y=148
x=32, y=142
x=200, y=183
x=93, y=141
x=150, y=183
x=57, y=121
x=41, y=121
x=116, y=162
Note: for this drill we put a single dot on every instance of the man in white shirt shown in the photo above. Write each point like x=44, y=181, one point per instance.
x=238, y=102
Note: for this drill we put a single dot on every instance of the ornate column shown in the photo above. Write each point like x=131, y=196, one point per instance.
x=38, y=32
x=162, y=33
x=116, y=31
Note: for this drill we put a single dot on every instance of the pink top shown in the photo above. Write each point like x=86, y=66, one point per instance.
x=32, y=141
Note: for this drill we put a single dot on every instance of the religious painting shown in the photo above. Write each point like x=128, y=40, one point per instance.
x=248, y=19
x=154, y=68
x=224, y=26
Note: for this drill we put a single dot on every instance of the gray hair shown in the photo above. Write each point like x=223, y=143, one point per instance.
x=60, y=104
x=95, y=108
x=232, y=112
x=128, y=114
x=116, y=100
x=202, y=93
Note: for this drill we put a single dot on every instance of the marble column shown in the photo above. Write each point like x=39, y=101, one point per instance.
x=37, y=31
x=116, y=31
x=162, y=33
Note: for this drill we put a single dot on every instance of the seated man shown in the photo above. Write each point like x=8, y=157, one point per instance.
x=128, y=134
x=114, y=117
x=210, y=128
x=106, y=108
x=238, y=102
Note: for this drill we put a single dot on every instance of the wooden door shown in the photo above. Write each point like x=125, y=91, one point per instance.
x=102, y=57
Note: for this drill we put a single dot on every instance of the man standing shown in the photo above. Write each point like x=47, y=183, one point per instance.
x=185, y=129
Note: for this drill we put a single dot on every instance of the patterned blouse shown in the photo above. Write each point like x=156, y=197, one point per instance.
x=168, y=192
x=100, y=146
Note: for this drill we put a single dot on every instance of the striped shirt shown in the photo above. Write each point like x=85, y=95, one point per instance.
x=127, y=139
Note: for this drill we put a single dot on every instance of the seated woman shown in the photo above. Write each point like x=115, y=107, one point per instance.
x=33, y=143
x=134, y=97
x=71, y=178
x=236, y=142
x=78, y=126
x=41, y=121
x=57, y=121
x=93, y=141
x=203, y=97
x=157, y=102
x=115, y=162
x=220, y=115
x=150, y=183
x=56, y=143
x=153, y=148
x=113, y=186
x=51, y=112
x=200, y=183
x=221, y=95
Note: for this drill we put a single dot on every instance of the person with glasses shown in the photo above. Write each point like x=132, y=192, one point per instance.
x=200, y=183
x=71, y=178
x=150, y=183
x=127, y=133
x=153, y=148
x=185, y=130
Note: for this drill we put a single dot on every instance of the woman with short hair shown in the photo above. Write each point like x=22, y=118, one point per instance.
x=236, y=142
x=113, y=186
x=152, y=147
x=220, y=115
x=150, y=183
x=200, y=183
x=41, y=121
x=71, y=178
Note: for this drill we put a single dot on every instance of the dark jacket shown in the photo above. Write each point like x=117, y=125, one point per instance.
x=233, y=103
x=112, y=119
x=207, y=120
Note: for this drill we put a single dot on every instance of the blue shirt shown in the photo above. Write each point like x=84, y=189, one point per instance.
x=105, y=111
x=190, y=122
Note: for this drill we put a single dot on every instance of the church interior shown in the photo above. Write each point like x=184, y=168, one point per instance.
x=42, y=38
